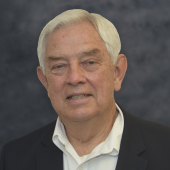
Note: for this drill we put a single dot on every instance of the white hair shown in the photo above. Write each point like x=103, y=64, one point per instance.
x=104, y=27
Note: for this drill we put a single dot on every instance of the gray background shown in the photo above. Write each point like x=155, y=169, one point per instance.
x=144, y=28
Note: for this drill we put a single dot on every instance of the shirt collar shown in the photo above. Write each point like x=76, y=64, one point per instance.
x=112, y=142
x=110, y=146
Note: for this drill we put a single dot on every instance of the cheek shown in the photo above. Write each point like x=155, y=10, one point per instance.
x=56, y=94
x=55, y=87
x=103, y=84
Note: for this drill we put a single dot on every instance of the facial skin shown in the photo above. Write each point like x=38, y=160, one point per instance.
x=77, y=63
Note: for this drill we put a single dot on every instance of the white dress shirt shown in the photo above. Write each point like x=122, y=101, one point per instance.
x=103, y=156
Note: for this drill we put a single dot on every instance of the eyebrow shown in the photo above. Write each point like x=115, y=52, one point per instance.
x=92, y=52
x=86, y=53
x=53, y=58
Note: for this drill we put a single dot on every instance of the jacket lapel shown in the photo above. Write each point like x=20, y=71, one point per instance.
x=131, y=146
x=48, y=156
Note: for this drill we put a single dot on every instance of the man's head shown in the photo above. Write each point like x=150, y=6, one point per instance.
x=80, y=77
x=105, y=29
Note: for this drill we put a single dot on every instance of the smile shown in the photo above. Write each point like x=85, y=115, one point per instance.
x=78, y=96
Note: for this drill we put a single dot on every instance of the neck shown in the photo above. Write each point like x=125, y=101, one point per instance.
x=85, y=136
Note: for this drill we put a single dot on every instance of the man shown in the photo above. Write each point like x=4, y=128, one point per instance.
x=80, y=67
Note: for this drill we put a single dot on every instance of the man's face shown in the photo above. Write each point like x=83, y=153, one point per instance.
x=79, y=73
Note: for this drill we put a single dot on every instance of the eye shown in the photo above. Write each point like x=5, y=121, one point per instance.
x=59, y=66
x=59, y=69
x=91, y=62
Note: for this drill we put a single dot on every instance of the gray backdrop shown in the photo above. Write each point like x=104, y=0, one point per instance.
x=144, y=28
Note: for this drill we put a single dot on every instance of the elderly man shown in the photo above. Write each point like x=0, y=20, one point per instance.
x=80, y=67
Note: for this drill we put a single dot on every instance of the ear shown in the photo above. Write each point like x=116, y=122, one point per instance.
x=119, y=72
x=42, y=77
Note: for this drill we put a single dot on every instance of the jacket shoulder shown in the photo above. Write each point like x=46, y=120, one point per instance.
x=16, y=151
x=149, y=127
x=156, y=136
x=32, y=137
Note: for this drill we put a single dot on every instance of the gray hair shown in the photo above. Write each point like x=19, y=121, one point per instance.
x=104, y=27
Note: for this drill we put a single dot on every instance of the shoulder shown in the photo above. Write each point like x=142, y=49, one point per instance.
x=151, y=128
x=15, y=152
x=145, y=126
x=153, y=134
x=30, y=140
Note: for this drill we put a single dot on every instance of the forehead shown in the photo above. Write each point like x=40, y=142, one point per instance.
x=76, y=38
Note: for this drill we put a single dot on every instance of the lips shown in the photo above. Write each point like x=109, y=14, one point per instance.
x=78, y=96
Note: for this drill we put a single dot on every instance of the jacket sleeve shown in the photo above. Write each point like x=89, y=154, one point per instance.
x=2, y=159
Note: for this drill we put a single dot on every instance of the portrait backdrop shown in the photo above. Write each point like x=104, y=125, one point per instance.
x=144, y=29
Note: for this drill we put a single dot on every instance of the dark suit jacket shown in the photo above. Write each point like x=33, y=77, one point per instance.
x=145, y=146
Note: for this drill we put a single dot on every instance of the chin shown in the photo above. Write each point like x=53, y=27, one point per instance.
x=80, y=116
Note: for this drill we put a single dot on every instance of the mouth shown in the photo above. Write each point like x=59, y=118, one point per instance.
x=78, y=96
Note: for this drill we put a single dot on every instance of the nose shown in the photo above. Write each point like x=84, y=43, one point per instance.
x=75, y=75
